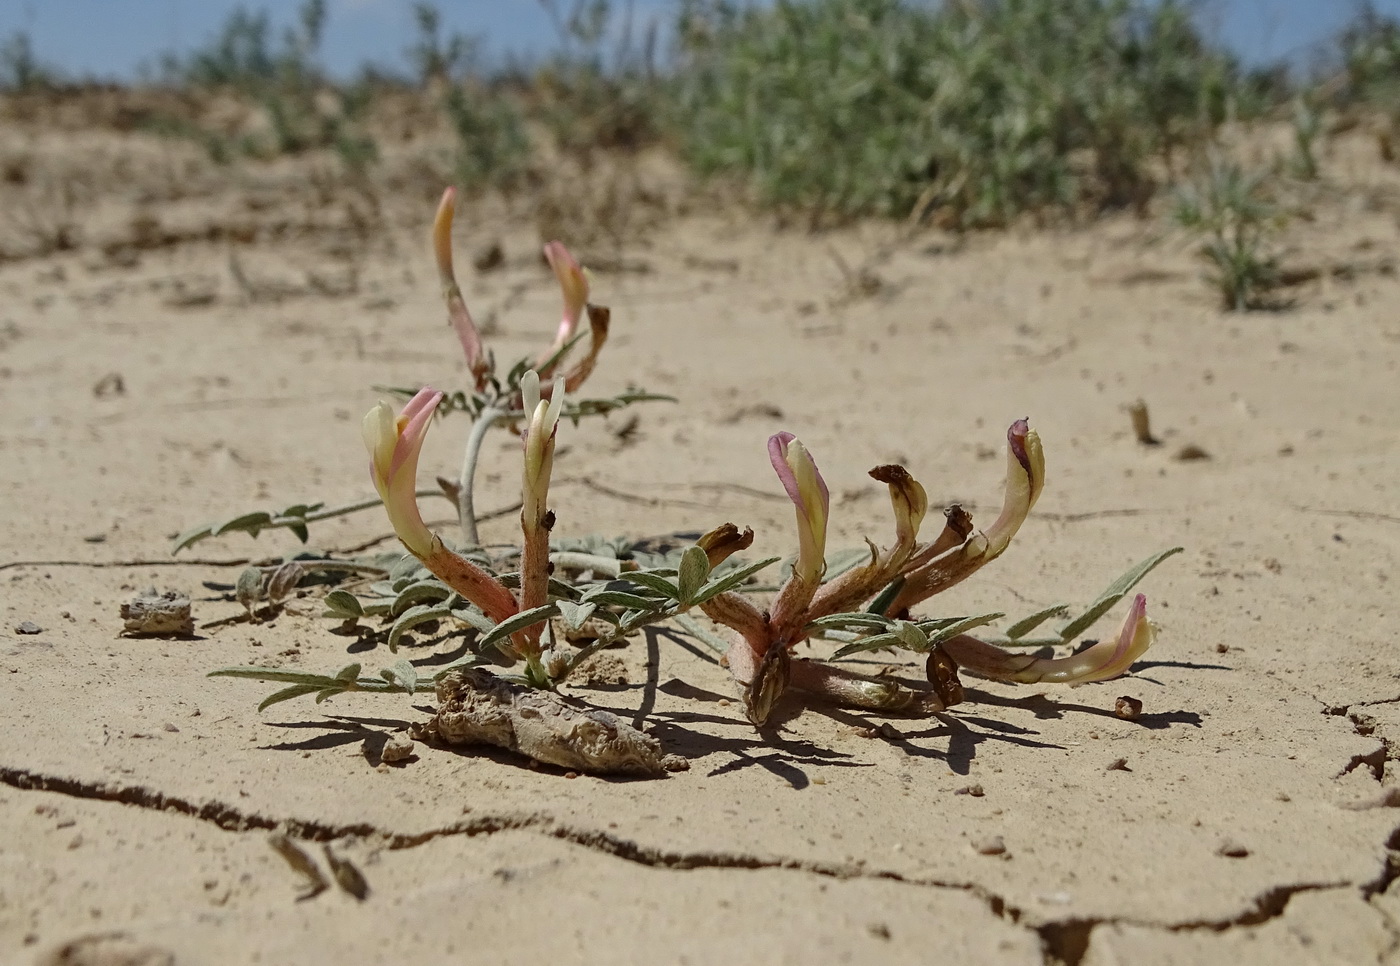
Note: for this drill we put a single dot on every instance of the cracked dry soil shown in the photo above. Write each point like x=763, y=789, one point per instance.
x=1251, y=819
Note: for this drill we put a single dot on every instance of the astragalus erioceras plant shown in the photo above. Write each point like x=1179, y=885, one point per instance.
x=873, y=599
x=533, y=618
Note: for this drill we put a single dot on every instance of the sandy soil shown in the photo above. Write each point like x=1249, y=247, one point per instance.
x=1249, y=819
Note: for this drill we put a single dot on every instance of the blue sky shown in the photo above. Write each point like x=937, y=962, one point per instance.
x=112, y=38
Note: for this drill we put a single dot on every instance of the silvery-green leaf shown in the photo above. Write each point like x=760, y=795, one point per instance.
x=286, y=694
x=692, y=573
x=731, y=580
x=191, y=536
x=575, y=615
x=273, y=674
x=909, y=635
x=403, y=674
x=884, y=598
x=251, y=522
x=328, y=693
x=873, y=643
x=874, y=622
x=411, y=618
x=959, y=626
x=1115, y=592
x=422, y=591
x=468, y=614
x=654, y=582
x=348, y=673
x=342, y=603
x=1027, y=624
x=519, y=622
x=617, y=598
x=558, y=588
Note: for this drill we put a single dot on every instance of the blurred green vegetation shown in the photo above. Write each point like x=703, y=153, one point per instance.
x=963, y=113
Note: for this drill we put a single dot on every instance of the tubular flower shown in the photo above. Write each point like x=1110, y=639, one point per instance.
x=394, y=445
x=599, y=319
x=910, y=504
x=1025, y=478
x=535, y=518
x=457, y=313
x=807, y=490
x=573, y=283
x=1108, y=659
x=723, y=542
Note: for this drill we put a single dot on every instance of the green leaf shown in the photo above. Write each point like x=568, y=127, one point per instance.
x=731, y=580
x=575, y=615
x=953, y=627
x=853, y=621
x=617, y=598
x=348, y=673
x=886, y=597
x=1113, y=594
x=328, y=693
x=909, y=635
x=343, y=604
x=190, y=537
x=251, y=522
x=649, y=580
x=432, y=590
x=875, y=643
x=402, y=674
x=411, y=618
x=300, y=530
x=1027, y=624
x=286, y=694
x=519, y=622
x=273, y=674
x=468, y=614
x=919, y=638
x=692, y=573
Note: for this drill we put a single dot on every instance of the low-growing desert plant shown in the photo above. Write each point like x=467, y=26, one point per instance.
x=547, y=606
x=1229, y=209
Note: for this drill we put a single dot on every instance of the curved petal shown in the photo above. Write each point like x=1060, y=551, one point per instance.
x=1108, y=659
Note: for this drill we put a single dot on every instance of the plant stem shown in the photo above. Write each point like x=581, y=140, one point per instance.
x=466, y=509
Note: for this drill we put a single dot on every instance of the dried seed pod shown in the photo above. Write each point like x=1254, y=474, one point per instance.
x=943, y=675
x=769, y=682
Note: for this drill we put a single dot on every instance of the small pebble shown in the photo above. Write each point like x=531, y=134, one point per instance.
x=170, y=727
x=1118, y=764
x=990, y=846
x=28, y=627
x=1128, y=708
x=1232, y=849
x=879, y=930
x=397, y=748
x=1222, y=649
x=974, y=790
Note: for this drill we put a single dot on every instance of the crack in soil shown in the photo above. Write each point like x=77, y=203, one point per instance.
x=1064, y=942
